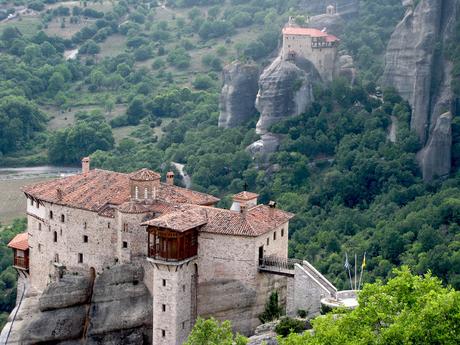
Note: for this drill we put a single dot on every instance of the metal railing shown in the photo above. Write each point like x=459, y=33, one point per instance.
x=277, y=263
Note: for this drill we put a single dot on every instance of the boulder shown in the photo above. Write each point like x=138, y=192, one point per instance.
x=285, y=89
x=269, y=338
x=55, y=325
x=435, y=158
x=67, y=292
x=265, y=146
x=346, y=68
x=238, y=94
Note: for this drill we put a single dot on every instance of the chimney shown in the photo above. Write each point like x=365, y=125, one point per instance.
x=170, y=178
x=59, y=194
x=272, y=206
x=85, y=165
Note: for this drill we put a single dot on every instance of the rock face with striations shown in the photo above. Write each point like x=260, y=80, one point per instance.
x=238, y=94
x=417, y=68
x=435, y=157
x=285, y=89
x=115, y=309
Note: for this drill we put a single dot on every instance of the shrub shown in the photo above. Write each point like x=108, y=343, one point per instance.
x=289, y=325
x=272, y=309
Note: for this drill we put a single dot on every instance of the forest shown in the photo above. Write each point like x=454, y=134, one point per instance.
x=154, y=99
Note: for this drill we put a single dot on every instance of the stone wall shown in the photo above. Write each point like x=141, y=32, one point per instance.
x=324, y=59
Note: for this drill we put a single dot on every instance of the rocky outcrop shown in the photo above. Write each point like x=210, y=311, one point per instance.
x=238, y=94
x=285, y=89
x=344, y=7
x=415, y=63
x=114, y=309
x=435, y=158
x=346, y=68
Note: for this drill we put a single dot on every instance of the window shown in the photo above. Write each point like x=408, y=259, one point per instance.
x=31, y=202
x=164, y=282
x=125, y=244
x=274, y=236
x=163, y=333
x=60, y=232
x=125, y=227
x=183, y=324
x=136, y=192
x=163, y=307
x=38, y=205
x=183, y=288
x=55, y=236
x=146, y=193
x=56, y=257
x=80, y=258
x=282, y=232
x=62, y=218
x=39, y=226
x=51, y=214
x=85, y=225
x=85, y=239
x=39, y=248
x=108, y=225
x=268, y=241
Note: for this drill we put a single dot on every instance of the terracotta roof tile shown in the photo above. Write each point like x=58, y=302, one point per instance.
x=309, y=32
x=132, y=207
x=257, y=221
x=94, y=190
x=145, y=175
x=245, y=196
x=20, y=242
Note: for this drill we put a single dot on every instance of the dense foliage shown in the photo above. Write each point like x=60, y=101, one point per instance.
x=212, y=332
x=7, y=273
x=409, y=309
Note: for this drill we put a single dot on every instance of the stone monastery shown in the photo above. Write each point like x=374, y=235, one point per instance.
x=317, y=46
x=197, y=259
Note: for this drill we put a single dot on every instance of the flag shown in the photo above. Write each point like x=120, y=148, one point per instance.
x=364, y=262
x=347, y=264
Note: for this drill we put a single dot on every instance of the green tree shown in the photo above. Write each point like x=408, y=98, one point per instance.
x=273, y=309
x=211, y=332
x=408, y=309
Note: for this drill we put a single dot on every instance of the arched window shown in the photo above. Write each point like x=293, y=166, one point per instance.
x=56, y=257
x=55, y=236
x=146, y=193
x=51, y=214
x=136, y=192
x=62, y=218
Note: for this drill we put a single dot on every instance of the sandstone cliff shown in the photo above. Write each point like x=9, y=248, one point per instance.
x=238, y=94
x=285, y=89
x=416, y=67
x=114, y=309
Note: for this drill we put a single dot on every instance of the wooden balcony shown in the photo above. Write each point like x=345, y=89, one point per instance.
x=171, y=246
x=21, y=263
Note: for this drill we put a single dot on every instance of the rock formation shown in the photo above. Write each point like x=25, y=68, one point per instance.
x=285, y=89
x=416, y=66
x=238, y=94
x=115, y=309
x=435, y=157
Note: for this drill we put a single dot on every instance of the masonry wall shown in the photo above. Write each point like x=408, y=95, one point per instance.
x=172, y=302
x=324, y=59
x=61, y=240
x=230, y=286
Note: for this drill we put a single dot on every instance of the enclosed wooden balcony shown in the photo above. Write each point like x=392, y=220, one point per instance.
x=20, y=247
x=172, y=246
x=21, y=261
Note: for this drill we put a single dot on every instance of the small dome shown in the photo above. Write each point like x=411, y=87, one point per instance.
x=145, y=175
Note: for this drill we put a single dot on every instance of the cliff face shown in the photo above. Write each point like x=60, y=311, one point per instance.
x=238, y=94
x=113, y=309
x=285, y=89
x=416, y=67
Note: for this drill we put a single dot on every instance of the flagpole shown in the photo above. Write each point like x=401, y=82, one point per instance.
x=362, y=269
x=347, y=266
x=356, y=258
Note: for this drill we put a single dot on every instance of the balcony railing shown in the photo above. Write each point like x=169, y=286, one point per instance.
x=21, y=262
x=274, y=263
x=171, y=253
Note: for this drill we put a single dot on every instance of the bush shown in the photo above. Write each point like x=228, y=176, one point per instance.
x=289, y=325
x=272, y=309
x=302, y=313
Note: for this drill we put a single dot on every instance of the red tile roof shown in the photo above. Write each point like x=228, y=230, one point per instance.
x=20, y=242
x=145, y=175
x=257, y=221
x=245, y=196
x=98, y=188
x=309, y=32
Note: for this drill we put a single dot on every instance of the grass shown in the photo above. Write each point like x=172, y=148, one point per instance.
x=28, y=26
x=12, y=200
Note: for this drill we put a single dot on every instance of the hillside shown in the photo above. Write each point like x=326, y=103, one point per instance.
x=143, y=91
